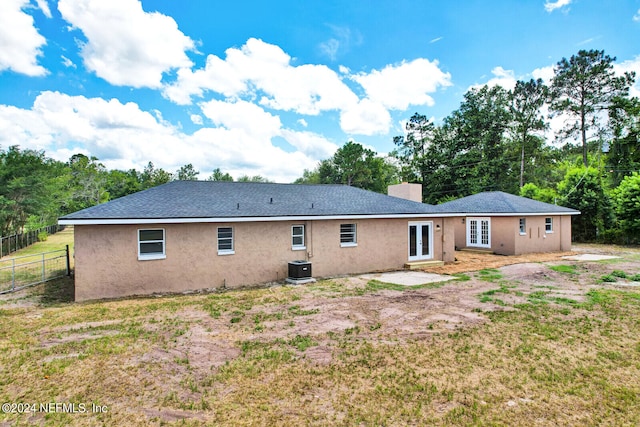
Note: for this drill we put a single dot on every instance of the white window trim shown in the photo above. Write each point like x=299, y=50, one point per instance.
x=298, y=247
x=231, y=251
x=355, y=236
x=148, y=257
x=523, y=233
x=545, y=225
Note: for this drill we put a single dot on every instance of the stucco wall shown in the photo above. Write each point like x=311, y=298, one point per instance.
x=107, y=265
x=507, y=240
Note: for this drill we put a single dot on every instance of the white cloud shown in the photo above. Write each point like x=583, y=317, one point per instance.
x=636, y=17
x=341, y=41
x=44, y=7
x=550, y=5
x=544, y=73
x=265, y=69
x=20, y=42
x=124, y=136
x=125, y=45
x=629, y=66
x=243, y=115
x=196, y=119
x=410, y=83
x=502, y=77
x=310, y=144
x=67, y=62
x=302, y=122
x=365, y=118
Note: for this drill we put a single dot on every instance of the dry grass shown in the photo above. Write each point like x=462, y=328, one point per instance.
x=335, y=353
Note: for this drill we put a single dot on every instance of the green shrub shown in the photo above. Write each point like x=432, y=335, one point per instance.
x=608, y=278
x=42, y=236
x=619, y=273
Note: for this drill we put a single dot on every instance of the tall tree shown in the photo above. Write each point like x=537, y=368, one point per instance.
x=526, y=100
x=218, y=175
x=187, y=173
x=152, y=177
x=412, y=148
x=354, y=165
x=624, y=152
x=627, y=204
x=87, y=183
x=582, y=87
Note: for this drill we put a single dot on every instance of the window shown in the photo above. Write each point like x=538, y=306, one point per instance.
x=548, y=225
x=523, y=226
x=297, y=237
x=225, y=241
x=151, y=244
x=348, y=235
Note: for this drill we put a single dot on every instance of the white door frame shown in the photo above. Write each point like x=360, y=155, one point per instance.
x=475, y=236
x=420, y=244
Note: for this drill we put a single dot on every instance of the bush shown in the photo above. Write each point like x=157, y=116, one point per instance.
x=42, y=236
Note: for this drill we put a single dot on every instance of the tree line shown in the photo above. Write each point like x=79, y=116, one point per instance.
x=35, y=190
x=500, y=139
x=497, y=139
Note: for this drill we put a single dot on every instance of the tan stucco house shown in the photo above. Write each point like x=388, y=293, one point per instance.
x=190, y=235
x=510, y=225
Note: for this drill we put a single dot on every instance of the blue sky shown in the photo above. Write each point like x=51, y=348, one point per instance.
x=270, y=88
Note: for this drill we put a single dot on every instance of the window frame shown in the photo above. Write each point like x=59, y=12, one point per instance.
x=294, y=246
x=221, y=239
x=152, y=255
x=548, y=225
x=523, y=226
x=353, y=233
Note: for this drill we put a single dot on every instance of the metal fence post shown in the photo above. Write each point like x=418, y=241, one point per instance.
x=68, y=263
x=44, y=276
x=13, y=274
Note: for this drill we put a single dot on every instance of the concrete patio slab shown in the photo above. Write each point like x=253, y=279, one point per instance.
x=408, y=278
x=589, y=257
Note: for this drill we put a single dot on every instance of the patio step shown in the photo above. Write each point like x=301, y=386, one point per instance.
x=415, y=265
x=478, y=251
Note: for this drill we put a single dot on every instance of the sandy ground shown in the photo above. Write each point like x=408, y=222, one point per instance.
x=342, y=307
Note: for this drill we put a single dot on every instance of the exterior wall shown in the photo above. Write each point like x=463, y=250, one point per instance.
x=406, y=191
x=507, y=240
x=537, y=240
x=107, y=265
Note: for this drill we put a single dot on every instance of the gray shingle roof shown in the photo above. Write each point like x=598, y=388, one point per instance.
x=498, y=202
x=206, y=199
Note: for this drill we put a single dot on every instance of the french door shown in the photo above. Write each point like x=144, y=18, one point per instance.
x=479, y=232
x=420, y=240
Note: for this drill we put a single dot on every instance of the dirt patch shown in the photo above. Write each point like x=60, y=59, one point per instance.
x=470, y=261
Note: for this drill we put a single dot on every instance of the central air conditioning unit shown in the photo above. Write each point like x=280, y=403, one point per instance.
x=300, y=272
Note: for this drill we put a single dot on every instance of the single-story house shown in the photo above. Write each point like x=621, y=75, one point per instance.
x=510, y=225
x=190, y=235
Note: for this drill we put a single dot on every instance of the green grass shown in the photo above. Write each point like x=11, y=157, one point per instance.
x=489, y=275
x=563, y=268
x=179, y=360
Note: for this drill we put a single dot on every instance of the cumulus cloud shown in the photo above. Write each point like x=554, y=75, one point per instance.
x=630, y=65
x=144, y=46
x=544, y=73
x=636, y=17
x=262, y=73
x=44, y=7
x=123, y=136
x=365, y=118
x=264, y=70
x=501, y=77
x=20, y=42
x=550, y=5
x=410, y=83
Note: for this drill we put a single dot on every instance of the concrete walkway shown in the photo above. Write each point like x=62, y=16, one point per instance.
x=408, y=278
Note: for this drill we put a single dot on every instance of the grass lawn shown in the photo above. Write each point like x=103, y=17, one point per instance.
x=318, y=355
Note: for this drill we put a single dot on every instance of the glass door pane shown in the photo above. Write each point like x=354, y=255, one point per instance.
x=413, y=240
x=425, y=239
